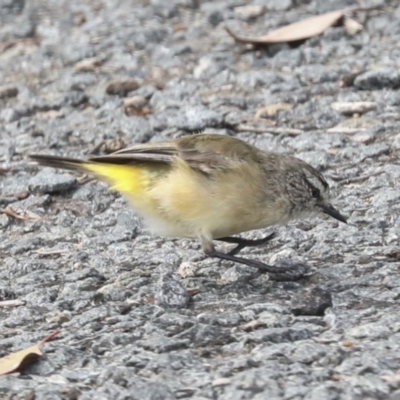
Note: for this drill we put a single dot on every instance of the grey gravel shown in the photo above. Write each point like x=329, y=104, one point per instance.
x=48, y=181
x=378, y=79
x=79, y=258
x=312, y=301
x=170, y=292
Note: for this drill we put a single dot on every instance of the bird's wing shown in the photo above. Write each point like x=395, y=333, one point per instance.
x=203, y=152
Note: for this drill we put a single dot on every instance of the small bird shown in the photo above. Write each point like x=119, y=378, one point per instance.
x=210, y=187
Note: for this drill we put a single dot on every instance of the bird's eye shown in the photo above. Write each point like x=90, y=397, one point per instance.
x=315, y=193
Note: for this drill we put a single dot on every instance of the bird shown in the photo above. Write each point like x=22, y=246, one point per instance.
x=210, y=187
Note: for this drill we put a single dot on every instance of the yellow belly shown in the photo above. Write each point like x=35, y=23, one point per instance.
x=179, y=201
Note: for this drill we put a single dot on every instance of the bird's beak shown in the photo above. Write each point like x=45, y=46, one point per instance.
x=330, y=210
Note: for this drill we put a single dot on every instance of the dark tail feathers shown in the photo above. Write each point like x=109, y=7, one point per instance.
x=58, y=162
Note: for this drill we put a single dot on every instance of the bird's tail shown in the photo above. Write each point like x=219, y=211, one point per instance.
x=126, y=178
x=59, y=162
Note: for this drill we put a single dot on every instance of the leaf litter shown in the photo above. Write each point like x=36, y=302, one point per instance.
x=16, y=362
x=304, y=29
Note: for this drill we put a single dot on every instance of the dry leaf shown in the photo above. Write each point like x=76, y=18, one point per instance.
x=136, y=105
x=121, y=87
x=250, y=326
x=4, y=170
x=268, y=129
x=301, y=30
x=51, y=252
x=186, y=269
x=221, y=382
x=192, y=292
x=114, y=144
x=249, y=11
x=272, y=109
x=352, y=26
x=345, y=130
x=12, y=43
x=149, y=299
x=21, y=195
x=19, y=360
x=88, y=64
x=24, y=215
x=8, y=91
x=109, y=145
x=12, y=303
x=51, y=114
x=348, y=80
x=179, y=27
x=333, y=150
x=348, y=343
x=357, y=107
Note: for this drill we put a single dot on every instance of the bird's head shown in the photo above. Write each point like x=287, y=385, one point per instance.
x=308, y=191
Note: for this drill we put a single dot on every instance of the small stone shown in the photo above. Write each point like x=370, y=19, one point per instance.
x=14, y=114
x=221, y=382
x=164, y=9
x=297, y=271
x=278, y=5
x=122, y=87
x=215, y=17
x=365, y=137
x=378, y=79
x=197, y=118
x=170, y=292
x=396, y=142
x=352, y=26
x=47, y=181
x=186, y=269
x=249, y=11
x=136, y=105
x=4, y=220
x=8, y=91
x=312, y=301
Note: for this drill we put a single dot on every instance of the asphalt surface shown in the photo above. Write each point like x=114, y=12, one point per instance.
x=148, y=318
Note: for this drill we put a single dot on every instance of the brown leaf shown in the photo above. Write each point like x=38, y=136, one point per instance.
x=192, y=292
x=348, y=343
x=250, y=326
x=8, y=91
x=179, y=27
x=122, y=87
x=300, y=30
x=271, y=109
x=4, y=170
x=24, y=41
x=115, y=144
x=21, y=195
x=88, y=64
x=149, y=299
x=24, y=215
x=109, y=145
x=348, y=80
x=352, y=26
x=136, y=105
x=19, y=360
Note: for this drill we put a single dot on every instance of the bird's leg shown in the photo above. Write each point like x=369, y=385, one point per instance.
x=286, y=272
x=242, y=243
